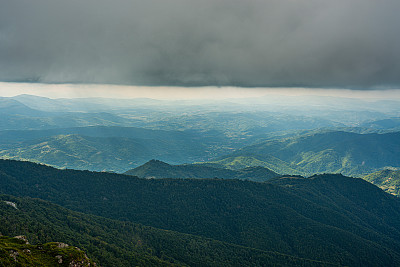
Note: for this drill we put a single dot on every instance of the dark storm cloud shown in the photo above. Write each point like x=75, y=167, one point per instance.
x=349, y=43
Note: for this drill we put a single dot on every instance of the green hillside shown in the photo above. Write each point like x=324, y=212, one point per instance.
x=116, y=243
x=330, y=152
x=246, y=161
x=388, y=180
x=328, y=218
x=18, y=252
x=105, y=153
x=159, y=169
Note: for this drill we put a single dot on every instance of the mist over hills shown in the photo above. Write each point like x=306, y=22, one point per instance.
x=9, y=106
x=17, y=116
x=270, y=113
x=127, y=133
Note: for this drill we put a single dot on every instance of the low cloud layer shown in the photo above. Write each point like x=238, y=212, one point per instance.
x=312, y=43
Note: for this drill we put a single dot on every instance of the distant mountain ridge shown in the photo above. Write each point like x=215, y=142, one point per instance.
x=103, y=148
x=196, y=131
x=389, y=123
x=119, y=149
x=10, y=106
x=330, y=152
x=159, y=169
x=18, y=116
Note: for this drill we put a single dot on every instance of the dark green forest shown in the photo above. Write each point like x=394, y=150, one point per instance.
x=121, y=243
x=158, y=169
x=329, y=218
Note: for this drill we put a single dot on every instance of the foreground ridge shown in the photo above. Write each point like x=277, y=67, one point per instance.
x=17, y=251
x=328, y=218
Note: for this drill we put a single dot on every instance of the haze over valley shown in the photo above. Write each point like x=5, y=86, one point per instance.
x=290, y=135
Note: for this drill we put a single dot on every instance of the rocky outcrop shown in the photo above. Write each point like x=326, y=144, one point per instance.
x=17, y=251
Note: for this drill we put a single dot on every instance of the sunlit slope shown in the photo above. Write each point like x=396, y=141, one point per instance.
x=330, y=152
x=107, y=152
x=388, y=180
x=329, y=217
x=245, y=161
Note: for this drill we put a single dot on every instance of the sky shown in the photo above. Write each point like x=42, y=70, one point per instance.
x=353, y=44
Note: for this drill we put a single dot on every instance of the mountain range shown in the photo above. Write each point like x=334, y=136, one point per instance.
x=235, y=182
x=329, y=152
x=108, y=148
x=119, y=149
x=117, y=135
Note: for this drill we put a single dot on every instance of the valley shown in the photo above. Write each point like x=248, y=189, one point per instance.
x=118, y=135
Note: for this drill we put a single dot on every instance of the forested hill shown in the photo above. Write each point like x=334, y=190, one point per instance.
x=328, y=218
x=388, y=180
x=100, y=148
x=115, y=243
x=159, y=169
x=330, y=152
